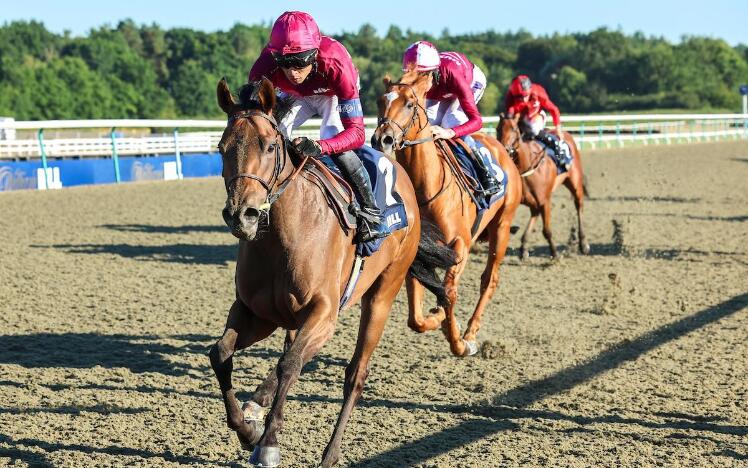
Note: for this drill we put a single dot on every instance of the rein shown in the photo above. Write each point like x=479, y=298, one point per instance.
x=513, y=151
x=280, y=162
x=404, y=130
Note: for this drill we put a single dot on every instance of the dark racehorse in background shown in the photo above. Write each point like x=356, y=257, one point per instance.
x=540, y=179
x=293, y=264
x=404, y=128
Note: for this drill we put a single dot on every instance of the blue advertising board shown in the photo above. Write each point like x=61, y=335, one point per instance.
x=18, y=175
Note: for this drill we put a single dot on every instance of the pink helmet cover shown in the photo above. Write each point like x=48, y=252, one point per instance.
x=294, y=32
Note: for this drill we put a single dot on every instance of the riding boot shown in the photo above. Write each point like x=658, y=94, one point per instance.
x=371, y=223
x=555, y=144
x=491, y=186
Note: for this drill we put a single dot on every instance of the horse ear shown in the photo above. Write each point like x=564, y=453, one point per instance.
x=225, y=100
x=266, y=96
x=387, y=81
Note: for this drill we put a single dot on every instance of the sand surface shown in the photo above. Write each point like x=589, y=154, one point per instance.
x=110, y=297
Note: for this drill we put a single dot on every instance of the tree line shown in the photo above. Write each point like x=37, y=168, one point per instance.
x=144, y=71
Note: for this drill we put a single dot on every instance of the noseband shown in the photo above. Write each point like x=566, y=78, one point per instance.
x=404, y=130
x=280, y=162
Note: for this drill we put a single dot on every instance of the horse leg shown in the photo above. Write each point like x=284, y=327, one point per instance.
x=243, y=328
x=375, y=308
x=524, y=254
x=450, y=327
x=254, y=409
x=576, y=187
x=416, y=320
x=498, y=239
x=547, y=233
x=313, y=334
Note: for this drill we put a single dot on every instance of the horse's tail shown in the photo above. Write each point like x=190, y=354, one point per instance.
x=432, y=254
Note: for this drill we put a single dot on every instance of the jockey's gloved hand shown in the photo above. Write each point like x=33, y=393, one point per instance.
x=307, y=147
x=441, y=133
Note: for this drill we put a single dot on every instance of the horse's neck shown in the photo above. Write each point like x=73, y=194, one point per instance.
x=422, y=163
x=525, y=155
x=292, y=214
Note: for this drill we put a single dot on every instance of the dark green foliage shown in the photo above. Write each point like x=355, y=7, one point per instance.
x=143, y=71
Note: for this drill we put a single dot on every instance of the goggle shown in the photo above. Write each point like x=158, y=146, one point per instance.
x=299, y=60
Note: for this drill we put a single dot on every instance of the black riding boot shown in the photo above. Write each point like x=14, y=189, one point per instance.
x=491, y=186
x=371, y=224
x=553, y=143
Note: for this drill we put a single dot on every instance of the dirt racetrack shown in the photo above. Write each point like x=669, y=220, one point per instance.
x=634, y=356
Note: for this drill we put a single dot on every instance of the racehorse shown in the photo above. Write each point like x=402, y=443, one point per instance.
x=404, y=128
x=292, y=268
x=540, y=178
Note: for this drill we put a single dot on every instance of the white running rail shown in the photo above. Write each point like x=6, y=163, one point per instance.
x=590, y=131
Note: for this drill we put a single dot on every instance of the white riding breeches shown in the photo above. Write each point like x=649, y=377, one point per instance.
x=306, y=107
x=448, y=113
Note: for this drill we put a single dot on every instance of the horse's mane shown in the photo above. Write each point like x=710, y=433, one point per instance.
x=249, y=100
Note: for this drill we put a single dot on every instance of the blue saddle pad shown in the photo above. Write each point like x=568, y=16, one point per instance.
x=560, y=159
x=383, y=177
x=468, y=165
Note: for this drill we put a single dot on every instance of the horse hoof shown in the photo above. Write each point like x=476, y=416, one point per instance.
x=265, y=457
x=585, y=249
x=253, y=412
x=471, y=348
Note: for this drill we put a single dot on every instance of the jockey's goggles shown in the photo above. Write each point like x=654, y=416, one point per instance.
x=297, y=60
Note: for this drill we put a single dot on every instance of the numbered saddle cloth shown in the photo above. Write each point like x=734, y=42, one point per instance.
x=561, y=160
x=383, y=177
x=468, y=167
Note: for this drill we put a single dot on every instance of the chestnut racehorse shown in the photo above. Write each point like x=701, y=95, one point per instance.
x=540, y=179
x=404, y=128
x=292, y=268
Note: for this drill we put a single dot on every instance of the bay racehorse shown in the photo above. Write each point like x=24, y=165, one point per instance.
x=540, y=179
x=404, y=128
x=292, y=268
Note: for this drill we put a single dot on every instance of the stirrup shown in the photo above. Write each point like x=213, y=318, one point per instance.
x=365, y=231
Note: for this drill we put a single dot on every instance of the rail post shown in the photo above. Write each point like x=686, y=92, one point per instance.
x=43, y=154
x=618, y=134
x=115, y=158
x=177, y=154
x=581, y=136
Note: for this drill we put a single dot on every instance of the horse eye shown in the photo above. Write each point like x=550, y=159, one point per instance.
x=271, y=148
x=409, y=105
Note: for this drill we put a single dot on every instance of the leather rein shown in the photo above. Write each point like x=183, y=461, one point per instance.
x=513, y=151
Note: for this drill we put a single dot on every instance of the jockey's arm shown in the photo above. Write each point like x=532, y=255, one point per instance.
x=344, y=81
x=464, y=94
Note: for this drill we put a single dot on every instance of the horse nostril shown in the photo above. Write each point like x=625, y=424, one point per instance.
x=250, y=215
x=388, y=140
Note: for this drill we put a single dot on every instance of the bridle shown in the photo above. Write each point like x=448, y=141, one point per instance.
x=513, y=148
x=415, y=116
x=280, y=161
x=513, y=151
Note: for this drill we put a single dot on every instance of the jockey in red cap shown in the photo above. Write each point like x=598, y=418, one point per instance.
x=319, y=73
x=451, y=103
x=529, y=100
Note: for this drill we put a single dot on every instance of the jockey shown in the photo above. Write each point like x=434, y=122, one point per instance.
x=451, y=107
x=319, y=73
x=529, y=100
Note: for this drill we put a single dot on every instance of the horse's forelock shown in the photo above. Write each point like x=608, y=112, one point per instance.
x=249, y=99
